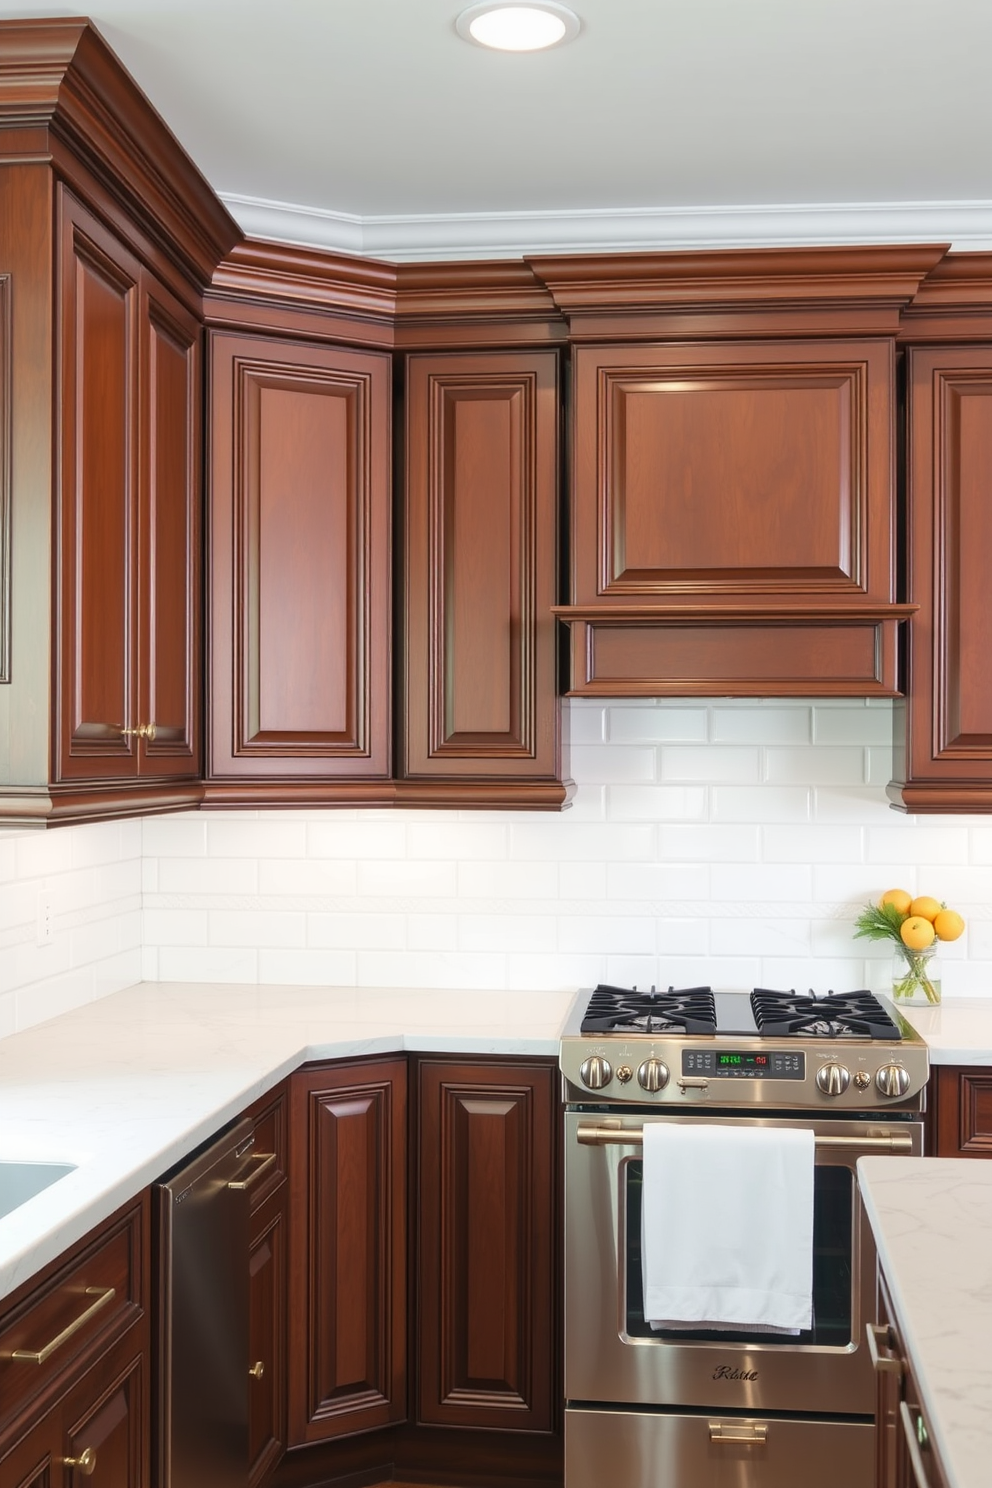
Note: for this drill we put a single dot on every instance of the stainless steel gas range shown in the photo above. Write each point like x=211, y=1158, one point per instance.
x=660, y=1408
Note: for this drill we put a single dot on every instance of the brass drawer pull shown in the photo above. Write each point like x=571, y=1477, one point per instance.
x=84, y=1464
x=265, y=1161
x=43, y=1355
x=738, y=1433
x=878, y=1339
x=143, y=731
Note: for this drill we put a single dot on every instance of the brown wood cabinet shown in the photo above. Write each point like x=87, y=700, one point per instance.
x=108, y=234
x=943, y=730
x=74, y=1365
x=487, y=1310
x=960, y=1114
x=905, y=1455
x=300, y=545
x=480, y=579
x=268, y=1285
x=347, y=1287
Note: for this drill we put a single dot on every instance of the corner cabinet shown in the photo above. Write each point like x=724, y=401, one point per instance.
x=487, y=1304
x=347, y=1289
x=480, y=722
x=300, y=571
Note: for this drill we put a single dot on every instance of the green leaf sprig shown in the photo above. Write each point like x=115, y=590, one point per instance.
x=881, y=922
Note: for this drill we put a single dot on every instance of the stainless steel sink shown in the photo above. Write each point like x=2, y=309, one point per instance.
x=20, y=1181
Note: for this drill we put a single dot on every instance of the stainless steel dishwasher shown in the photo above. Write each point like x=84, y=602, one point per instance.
x=202, y=1319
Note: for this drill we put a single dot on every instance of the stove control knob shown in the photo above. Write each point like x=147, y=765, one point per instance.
x=652, y=1075
x=833, y=1079
x=596, y=1071
x=862, y=1079
x=893, y=1080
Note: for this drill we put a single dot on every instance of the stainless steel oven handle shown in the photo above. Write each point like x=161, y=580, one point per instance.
x=604, y=1135
x=911, y=1429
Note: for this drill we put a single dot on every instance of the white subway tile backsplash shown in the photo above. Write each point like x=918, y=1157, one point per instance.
x=730, y=841
x=711, y=763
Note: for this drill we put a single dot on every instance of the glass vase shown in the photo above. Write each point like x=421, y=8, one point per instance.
x=916, y=977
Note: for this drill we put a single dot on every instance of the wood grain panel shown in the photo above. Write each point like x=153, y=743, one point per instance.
x=6, y=455
x=945, y=760
x=267, y=1327
x=962, y=1111
x=170, y=534
x=97, y=537
x=759, y=470
x=348, y=1293
x=486, y=1247
x=300, y=528
x=735, y=657
x=481, y=565
x=107, y=1413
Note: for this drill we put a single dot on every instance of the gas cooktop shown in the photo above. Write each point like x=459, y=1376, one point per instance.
x=847, y=1050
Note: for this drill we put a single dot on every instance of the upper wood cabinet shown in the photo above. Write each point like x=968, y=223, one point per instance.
x=943, y=731
x=299, y=581
x=733, y=503
x=128, y=517
x=108, y=235
x=480, y=721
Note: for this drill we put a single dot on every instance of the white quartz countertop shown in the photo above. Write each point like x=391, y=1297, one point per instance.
x=958, y=1031
x=127, y=1086
x=932, y=1219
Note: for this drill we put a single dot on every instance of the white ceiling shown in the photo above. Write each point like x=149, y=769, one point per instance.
x=368, y=125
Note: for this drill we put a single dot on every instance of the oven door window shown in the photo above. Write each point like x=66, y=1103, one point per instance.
x=833, y=1251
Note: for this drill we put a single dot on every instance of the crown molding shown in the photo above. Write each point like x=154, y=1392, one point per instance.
x=966, y=225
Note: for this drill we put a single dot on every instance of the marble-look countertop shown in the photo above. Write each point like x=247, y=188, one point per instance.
x=127, y=1086
x=958, y=1031
x=932, y=1219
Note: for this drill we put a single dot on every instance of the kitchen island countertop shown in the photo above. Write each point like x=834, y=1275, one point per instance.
x=127, y=1086
x=932, y=1218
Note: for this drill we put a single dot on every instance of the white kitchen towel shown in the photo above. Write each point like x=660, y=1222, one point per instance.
x=727, y=1226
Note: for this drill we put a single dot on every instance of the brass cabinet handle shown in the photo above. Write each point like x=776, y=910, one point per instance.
x=741, y=1434
x=85, y=1463
x=912, y=1429
x=265, y=1161
x=257, y=1370
x=143, y=731
x=102, y=1298
x=881, y=1338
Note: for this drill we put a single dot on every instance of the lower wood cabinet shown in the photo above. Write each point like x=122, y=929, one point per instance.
x=75, y=1366
x=905, y=1456
x=960, y=1115
x=347, y=1283
x=268, y=1281
x=486, y=1245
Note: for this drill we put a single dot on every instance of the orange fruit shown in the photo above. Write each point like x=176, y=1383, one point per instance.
x=948, y=924
x=898, y=898
x=917, y=933
x=925, y=907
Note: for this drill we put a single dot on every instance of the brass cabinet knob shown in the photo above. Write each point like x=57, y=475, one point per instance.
x=257, y=1370
x=143, y=731
x=84, y=1464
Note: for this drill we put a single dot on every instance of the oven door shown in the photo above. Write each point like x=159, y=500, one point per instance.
x=613, y=1356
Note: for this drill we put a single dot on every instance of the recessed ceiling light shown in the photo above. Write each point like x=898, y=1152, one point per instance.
x=520, y=26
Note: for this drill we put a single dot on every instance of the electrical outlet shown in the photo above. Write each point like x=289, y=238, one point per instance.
x=45, y=933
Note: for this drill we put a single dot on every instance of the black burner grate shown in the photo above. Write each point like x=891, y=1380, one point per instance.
x=626, y=1010
x=838, y=1015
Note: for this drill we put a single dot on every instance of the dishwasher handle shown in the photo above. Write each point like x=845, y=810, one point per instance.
x=265, y=1161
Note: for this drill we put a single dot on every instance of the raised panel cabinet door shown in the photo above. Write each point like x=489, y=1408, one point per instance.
x=268, y=1280
x=35, y=1459
x=481, y=566
x=962, y=1115
x=169, y=535
x=347, y=1351
x=299, y=530
x=943, y=756
x=738, y=473
x=96, y=526
x=486, y=1308
x=106, y=1423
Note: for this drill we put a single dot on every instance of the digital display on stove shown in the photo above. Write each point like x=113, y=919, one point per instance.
x=744, y=1064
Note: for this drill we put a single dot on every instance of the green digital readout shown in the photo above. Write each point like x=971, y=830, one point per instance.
x=742, y=1061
